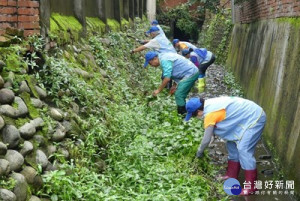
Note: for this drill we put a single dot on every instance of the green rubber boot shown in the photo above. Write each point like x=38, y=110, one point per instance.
x=201, y=85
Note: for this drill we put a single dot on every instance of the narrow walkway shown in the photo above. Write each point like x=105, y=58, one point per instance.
x=267, y=171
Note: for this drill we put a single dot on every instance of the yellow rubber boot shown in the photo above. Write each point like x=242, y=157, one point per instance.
x=201, y=85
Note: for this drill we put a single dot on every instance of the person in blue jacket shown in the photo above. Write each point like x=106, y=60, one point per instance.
x=159, y=42
x=202, y=58
x=238, y=121
x=155, y=23
x=178, y=68
x=180, y=45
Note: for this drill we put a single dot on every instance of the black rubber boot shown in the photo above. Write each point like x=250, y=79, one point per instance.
x=181, y=110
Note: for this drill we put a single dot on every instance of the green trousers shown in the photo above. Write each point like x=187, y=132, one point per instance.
x=183, y=88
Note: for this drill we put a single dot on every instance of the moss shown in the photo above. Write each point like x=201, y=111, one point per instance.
x=45, y=130
x=30, y=159
x=13, y=63
x=292, y=20
x=66, y=22
x=33, y=112
x=124, y=23
x=48, y=121
x=31, y=84
x=11, y=56
x=53, y=26
x=131, y=22
x=14, y=105
x=144, y=18
x=113, y=25
x=66, y=28
x=69, y=56
x=8, y=183
x=29, y=192
x=81, y=58
x=21, y=121
x=94, y=24
x=9, y=121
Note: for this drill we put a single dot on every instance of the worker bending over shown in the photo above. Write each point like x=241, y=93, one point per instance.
x=178, y=68
x=238, y=121
x=202, y=58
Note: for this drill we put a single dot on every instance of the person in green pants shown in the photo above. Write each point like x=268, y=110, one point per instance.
x=176, y=67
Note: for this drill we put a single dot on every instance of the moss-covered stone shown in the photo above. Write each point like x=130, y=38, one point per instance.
x=113, y=25
x=33, y=112
x=30, y=159
x=67, y=28
x=144, y=18
x=124, y=23
x=66, y=22
x=31, y=84
x=53, y=25
x=13, y=63
x=21, y=121
x=9, y=121
x=94, y=24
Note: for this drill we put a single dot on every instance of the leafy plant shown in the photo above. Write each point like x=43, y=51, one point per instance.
x=217, y=35
x=230, y=81
x=186, y=20
x=8, y=184
x=126, y=146
x=211, y=5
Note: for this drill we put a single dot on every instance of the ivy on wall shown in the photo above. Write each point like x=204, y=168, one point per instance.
x=216, y=35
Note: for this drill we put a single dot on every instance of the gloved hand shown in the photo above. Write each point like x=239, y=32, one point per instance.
x=146, y=34
x=131, y=52
x=142, y=42
x=199, y=154
x=172, y=90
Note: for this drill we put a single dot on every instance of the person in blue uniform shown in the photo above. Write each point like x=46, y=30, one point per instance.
x=155, y=23
x=202, y=58
x=238, y=121
x=180, y=45
x=159, y=42
x=176, y=67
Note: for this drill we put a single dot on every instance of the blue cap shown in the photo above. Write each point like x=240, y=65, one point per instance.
x=154, y=22
x=192, y=106
x=148, y=57
x=185, y=51
x=152, y=29
x=175, y=41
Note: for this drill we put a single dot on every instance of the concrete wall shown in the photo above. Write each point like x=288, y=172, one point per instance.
x=265, y=58
x=264, y=55
x=33, y=16
x=151, y=10
x=103, y=9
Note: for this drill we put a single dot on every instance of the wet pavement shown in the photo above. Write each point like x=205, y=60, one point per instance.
x=268, y=173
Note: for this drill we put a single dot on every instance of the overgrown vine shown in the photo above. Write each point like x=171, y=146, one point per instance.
x=216, y=37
